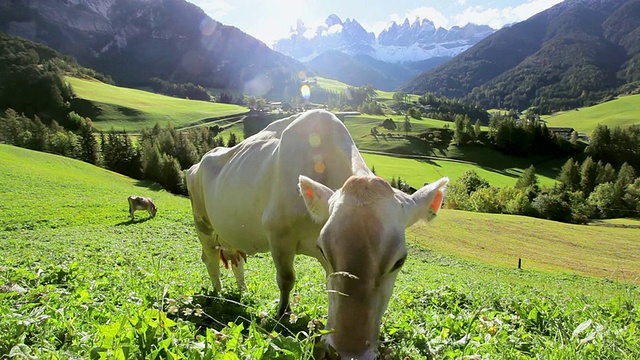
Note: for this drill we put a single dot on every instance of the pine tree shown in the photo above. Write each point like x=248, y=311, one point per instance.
x=233, y=140
x=407, y=124
x=89, y=151
x=588, y=176
x=528, y=180
x=569, y=176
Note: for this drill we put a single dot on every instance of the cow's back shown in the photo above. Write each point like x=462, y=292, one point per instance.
x=252, y=187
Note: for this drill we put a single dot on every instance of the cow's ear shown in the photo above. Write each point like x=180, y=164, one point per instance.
x=316, y=198
x=426, y=202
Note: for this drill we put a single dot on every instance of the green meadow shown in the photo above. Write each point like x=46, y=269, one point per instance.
x=621, y=112
x=79, y=279
x=131, y=109
x=418, y=171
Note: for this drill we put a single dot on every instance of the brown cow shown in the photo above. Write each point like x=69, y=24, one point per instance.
x=142, y=203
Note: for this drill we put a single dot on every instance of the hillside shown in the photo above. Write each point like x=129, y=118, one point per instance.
x=72, y=184
x=131, y=109
x=571, y=54
x=135, y=40
x=622, y=112
x=80, y=279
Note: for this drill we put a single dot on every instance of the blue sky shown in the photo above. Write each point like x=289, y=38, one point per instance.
x=272, y=20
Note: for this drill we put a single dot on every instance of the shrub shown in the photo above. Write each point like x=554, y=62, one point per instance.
x=552, y=207
x=485, y=200
x=603, y=200
x=515, y=201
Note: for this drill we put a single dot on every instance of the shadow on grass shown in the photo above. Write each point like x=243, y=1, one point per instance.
x=214, y=310
x=131, y=222
x=151, y=185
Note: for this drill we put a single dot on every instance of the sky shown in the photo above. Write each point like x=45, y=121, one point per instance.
x=272, y=20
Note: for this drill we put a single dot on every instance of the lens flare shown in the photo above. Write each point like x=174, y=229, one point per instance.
x=305, y=90
x=315, y=140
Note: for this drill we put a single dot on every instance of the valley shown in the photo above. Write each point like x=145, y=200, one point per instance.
x=535, y=252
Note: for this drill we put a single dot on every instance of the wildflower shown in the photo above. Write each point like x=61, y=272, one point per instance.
x=172, y=309
x=187, y=311
x=293, y=318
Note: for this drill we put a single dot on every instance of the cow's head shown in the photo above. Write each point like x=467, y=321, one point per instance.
x=152, y=208
x=363, y=242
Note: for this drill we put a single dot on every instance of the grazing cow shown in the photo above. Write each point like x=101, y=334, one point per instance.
x=300, y=186
x=142, y=203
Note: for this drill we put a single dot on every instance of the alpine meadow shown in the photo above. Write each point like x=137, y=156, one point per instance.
x=516, y=143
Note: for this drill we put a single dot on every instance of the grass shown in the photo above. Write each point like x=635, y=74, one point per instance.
x=418, y=171
x=497, y=168
x=621, y=112
x=133, y=110
x=78, y=279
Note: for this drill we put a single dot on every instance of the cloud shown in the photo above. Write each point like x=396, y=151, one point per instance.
x=498, y=17
x=461, y=2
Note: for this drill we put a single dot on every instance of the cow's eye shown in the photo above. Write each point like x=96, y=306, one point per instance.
x=398, y=264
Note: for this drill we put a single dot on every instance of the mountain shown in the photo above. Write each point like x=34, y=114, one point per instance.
x=394, y=56
x=135, y=40
x=570, y=55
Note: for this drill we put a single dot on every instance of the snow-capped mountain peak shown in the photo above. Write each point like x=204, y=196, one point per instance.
x=412, y=41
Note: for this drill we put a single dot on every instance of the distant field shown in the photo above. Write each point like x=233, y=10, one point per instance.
x=418, y=171
x=497, y=168
x=501, y=240
x=133, y=110
x=622, y=112
x=384, y=97
x=78, y=279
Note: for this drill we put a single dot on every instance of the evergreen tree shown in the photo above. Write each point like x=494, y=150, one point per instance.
x=569, y=176
x=172, y=177
x=233, y=140
x=588, y=176
x=407, y=124
x=528, y=182
x=89, y=151
x=606, y=173
x=477, y=130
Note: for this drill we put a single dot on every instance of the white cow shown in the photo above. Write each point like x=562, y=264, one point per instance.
x=300, y=186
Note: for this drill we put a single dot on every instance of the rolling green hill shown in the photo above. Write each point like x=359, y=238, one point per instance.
x=131, y=109
x=79, y=194
x=79, y=279
x=621, y=112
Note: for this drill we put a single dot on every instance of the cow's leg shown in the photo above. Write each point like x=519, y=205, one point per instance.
x=211, y=258
x=283, y=259
x=131, y=210
x=210, y=252
x=238, y=271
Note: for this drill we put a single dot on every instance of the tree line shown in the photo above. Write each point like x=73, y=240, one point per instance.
x=583, y=191
x=32, y=79
x=186, y=90
x=157, y=154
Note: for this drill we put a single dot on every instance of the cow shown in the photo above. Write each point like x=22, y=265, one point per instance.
x=300, y=186
x=141, y=203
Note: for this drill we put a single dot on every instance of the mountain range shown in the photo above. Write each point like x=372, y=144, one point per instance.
x=571, y=55
x=347, y=52
x=136, y=40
